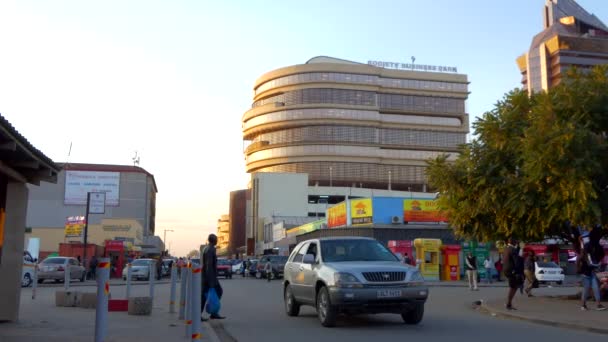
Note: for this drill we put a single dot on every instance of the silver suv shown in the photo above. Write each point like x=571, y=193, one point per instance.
x=351, y=275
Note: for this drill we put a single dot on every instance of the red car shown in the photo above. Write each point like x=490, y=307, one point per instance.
x=224, y=268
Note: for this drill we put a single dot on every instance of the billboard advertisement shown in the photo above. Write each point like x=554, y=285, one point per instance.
x=361, y=211
x=422, y=210
x=336, y=216
x=79, y=183
x=74, y=225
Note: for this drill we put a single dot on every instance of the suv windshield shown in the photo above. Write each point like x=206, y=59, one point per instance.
x=355, y=250
x=140, y=262
x=54, y=261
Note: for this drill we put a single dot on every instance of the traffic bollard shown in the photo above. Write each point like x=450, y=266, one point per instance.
x=35, y=281
x=173, y=288
x=182, y=293
x=128, y=280
x=188, y=302
x=195, y=284
x=66, y=277
x=151, y=280
x=103, y=292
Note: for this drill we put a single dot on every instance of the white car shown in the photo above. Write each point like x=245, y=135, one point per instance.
x=549, y=272
x=140, y=269
x=237, y=268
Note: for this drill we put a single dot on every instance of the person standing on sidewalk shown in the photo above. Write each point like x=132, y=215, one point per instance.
x=471, y=267
x=589, y=279
x=487, y=264
x=498, y=266
x=268, y=270
x=529, y=268
x=209, y=263
x=93, y=267
x=509, y=260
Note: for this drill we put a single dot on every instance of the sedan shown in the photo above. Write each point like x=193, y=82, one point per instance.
x=352, y=275
x=140, y=269
x=549, y=272
x=54, y=268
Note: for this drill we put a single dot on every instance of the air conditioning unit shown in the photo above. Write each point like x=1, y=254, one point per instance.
x=396, y=219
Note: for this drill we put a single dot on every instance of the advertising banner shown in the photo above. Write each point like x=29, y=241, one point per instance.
x=79, y=183
x=422, y=210
x=278, y=231
x=336, y=216
x=361, y=211
x=306, y=228
x=74, y=226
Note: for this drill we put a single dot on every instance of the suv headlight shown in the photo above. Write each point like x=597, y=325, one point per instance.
x=346, y=280
x=415, y=278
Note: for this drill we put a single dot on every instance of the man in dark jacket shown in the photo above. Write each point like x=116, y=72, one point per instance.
x=471, y=267
x=209, y=264
x=513, y=271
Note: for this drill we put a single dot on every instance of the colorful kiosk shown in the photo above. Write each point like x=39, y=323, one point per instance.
x=403, y=247
x=427, y=253
x=451, y=262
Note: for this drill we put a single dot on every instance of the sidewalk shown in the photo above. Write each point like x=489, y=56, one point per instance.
x=41, y=320
x=551, y=311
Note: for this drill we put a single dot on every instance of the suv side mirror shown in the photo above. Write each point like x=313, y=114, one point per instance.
x=308, y=259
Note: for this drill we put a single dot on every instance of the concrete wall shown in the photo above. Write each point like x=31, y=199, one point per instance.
x=46, y=203
x=12, y=251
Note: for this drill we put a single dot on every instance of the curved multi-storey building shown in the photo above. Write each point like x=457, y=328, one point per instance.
x=351, y=124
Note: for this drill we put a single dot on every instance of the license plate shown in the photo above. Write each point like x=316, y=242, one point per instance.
x=551, y=272
x=389, y=293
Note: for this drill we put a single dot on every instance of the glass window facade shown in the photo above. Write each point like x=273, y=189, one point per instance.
x=335, y=77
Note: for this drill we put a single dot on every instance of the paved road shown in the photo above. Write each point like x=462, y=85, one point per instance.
x=255, y=313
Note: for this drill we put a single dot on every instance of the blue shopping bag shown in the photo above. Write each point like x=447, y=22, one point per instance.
x=213, y=302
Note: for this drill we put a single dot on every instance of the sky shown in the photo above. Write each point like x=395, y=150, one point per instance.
x=172, y=79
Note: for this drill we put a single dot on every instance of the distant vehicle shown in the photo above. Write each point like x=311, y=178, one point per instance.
x=278, y=266
x=224, y=268
x=166, y=268
x=53, y=268
x=237, y=268
x=352, y=275
x=140, y=269
x=549, y=272
x=27, y=270
x=253, y=268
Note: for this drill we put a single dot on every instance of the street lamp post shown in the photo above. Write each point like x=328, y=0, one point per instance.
x=165, y=238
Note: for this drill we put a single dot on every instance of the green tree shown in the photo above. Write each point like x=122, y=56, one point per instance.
x=537, y=166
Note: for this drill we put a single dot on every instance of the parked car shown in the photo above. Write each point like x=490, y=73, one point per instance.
x=351, y=275
x=224, y=268
x=549, y=272
x=166, y=268
x=237, y=268
x=53, y=268
x=277, y=263
x=27, y=270
x=140, y=269
x=253, y=268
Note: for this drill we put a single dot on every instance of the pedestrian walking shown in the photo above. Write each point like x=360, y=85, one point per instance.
x=209, y=278
x=487, y=264
x=268, y=270
x=529, y=268
x=93, y=267
x=471, y=267
x=587, y=270
x=498, y=266
x=510, y=269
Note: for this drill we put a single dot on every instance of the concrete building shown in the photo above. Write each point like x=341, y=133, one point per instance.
x=130, y=213
x=355, y=125
x=239, y=216
x=571, y=37
x=223, y=235
x=20, y=164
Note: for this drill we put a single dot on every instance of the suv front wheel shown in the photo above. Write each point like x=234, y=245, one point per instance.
x=291, y=306
x=414, y=315
x=325, y=311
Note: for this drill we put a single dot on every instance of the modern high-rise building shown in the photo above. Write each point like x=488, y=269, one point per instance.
x=349, y=124
x=571, y=37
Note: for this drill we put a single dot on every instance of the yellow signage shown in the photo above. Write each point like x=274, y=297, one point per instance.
x=336, y=216
x=74, y=226
x=361, y=211
x=422, y=210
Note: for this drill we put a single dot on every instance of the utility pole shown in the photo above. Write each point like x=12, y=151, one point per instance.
x=165, y=237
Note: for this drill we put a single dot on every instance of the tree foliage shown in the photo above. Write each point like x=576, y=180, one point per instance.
x=537, y=165
x=193, y=254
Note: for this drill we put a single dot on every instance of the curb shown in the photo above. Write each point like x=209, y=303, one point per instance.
x=209, y=332
x=498, y=313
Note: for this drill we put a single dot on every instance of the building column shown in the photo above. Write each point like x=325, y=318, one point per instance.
x=11, y=262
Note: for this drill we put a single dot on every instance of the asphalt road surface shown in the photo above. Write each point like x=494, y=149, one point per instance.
x=255, y=312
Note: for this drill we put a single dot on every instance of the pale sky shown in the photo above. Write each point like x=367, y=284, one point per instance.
x=171, y=79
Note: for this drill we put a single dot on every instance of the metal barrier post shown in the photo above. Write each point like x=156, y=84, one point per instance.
x=128, y=280
x=66, y=276
x=35, y=281
x=188, y=301
x=151, y=279
x=182, y=293
x=173, y=287
x=195, y=284
x=103, y=292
